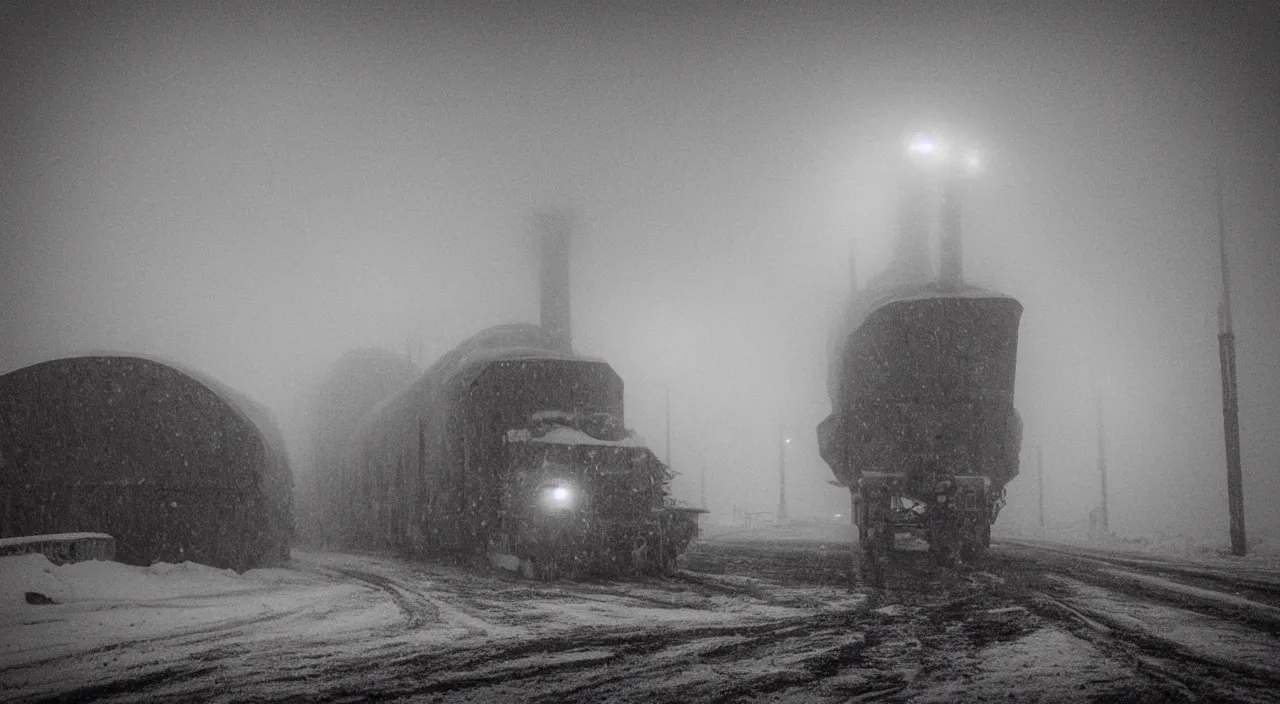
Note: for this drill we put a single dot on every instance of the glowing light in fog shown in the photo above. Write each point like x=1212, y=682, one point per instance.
x=923, y=146
x=558, y=498
x=973, y=162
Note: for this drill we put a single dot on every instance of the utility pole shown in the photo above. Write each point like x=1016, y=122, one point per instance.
x=702, y=485
x=1040, y=475
x=1103, y=518
x=1044, y=533
x=782, y=472
x=1230, y=402
x=667, y=389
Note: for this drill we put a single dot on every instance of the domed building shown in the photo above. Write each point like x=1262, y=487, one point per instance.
x=173, y=466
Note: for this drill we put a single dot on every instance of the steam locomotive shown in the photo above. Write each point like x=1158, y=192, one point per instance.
x=512, y=448
x=923, y=429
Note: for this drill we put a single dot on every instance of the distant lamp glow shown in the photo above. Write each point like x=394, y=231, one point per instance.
x=923, y=146
x=972, y=162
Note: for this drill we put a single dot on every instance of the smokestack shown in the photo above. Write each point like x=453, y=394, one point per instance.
x=553, y=235
x=951, y=267
x=911, y=247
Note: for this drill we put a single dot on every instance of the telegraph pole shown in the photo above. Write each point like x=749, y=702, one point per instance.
x=782, y=472
x=1040, y=473
x=1103, y=518
x=667, y=389
x=1230, y=402
x=702, y=485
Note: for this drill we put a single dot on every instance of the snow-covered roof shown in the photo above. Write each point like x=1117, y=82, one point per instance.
x=50, y=537
x=453, y=372
x=501, y=343
x=563, y=435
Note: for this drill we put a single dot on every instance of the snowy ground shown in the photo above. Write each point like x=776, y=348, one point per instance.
x=767, y=613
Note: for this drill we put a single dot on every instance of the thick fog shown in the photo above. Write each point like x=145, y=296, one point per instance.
x=253, y=189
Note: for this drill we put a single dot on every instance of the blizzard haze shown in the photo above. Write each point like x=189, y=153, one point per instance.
x=253, y=189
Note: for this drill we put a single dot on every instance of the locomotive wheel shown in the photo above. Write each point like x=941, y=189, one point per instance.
x=976, y=541
x=948, y=551
x=944, y=542
x=875, y=535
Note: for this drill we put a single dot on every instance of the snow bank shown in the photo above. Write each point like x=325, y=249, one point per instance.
x=33, y=572
x=98, y=580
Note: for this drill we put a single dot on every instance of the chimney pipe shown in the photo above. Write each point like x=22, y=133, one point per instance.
x=911, y=242
x=951, y=269
x=553, y=234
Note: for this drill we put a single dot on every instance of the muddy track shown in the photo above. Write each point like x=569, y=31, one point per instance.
x=417, y=607
x=1182, y=672
x=1261, y=585
x=1064, y=586
x=802, y=635
x=1033, y=576
x=642, y=664
x=786, y=563
x=1219, y=597
x=185, y=638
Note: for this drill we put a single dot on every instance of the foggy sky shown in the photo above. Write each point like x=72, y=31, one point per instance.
x=253, y=189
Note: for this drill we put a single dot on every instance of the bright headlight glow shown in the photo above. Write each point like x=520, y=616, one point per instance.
x=560, y=497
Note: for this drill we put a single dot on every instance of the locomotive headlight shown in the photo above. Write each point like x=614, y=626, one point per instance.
x=560, y=497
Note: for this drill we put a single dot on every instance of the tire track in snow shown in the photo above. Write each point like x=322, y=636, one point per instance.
x=1150, y=580
x=1186, y=672
x=1259, y=584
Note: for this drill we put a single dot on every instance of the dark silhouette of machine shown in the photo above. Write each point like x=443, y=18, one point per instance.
x=923, y=429
x=512, y=448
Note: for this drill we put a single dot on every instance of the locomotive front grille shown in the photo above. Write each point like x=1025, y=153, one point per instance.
x=622, y=495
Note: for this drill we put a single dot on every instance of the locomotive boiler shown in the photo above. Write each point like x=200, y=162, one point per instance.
x=513, y=449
